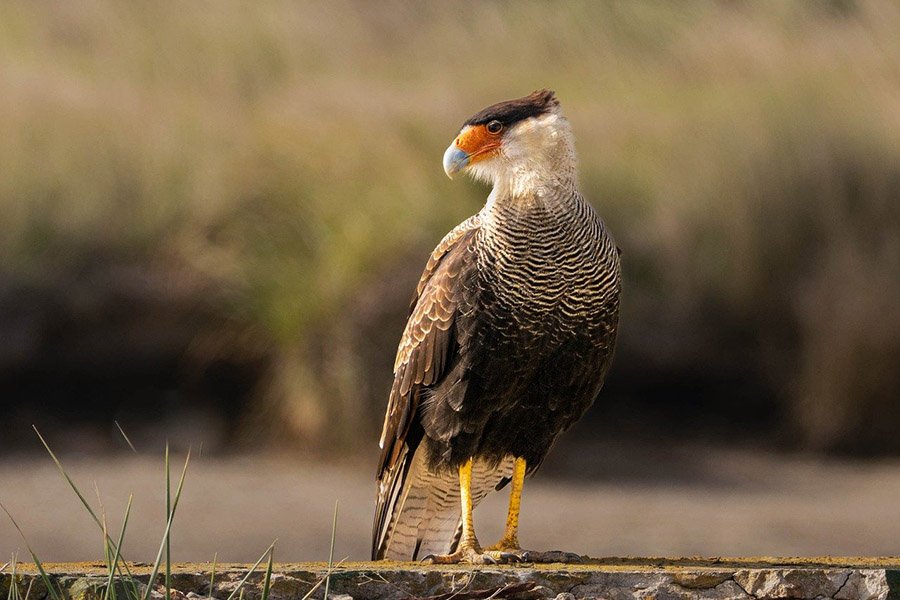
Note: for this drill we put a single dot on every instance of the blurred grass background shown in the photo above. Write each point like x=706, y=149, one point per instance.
x=214, y=213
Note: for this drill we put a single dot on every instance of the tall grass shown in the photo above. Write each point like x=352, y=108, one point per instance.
x=118, y=569
x=278, y=165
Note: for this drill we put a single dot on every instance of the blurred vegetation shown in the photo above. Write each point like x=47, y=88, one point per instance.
x=228, y=203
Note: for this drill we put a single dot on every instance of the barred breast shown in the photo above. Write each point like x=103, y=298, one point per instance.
x=548, y=263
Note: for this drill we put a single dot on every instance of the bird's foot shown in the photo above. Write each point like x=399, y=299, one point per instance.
x=550, y=556
x=505, y=551
x=474, y=555
x=507, y=544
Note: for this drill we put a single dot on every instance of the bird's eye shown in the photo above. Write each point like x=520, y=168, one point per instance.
x=494, y=127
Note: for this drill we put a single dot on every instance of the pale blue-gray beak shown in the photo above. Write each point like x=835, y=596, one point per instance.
x=455, y=160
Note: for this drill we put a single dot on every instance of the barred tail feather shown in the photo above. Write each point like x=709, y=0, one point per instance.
x=418, y=510
x=417, y=513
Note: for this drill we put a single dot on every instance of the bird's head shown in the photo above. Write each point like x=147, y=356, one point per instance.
x=518, y=143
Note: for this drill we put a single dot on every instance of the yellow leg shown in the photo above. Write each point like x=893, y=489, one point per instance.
x=507, y=549
x=465, y=496
x=468, y=551
x=510, y=540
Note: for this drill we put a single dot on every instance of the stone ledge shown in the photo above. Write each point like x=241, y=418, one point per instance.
x=613, y=578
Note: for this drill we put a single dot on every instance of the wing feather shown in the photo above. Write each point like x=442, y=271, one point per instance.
x=425, y=349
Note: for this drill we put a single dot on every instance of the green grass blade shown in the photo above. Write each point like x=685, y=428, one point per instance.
x=168, y=534
x=268, y=580
x=115, y=560
x=37, y=562
x=327, y=579
x=162, y=545
x=109, y=593
x=28, y=589
x=107, y=553
x=319, y=583
x=80, y=496
x=124, y=435
x=212, y=575
x=250, y=572
x=12, y=581
x=46, y=578
x=74, y=487
x=331, y=551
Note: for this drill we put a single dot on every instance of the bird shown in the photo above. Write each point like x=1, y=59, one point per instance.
x=509, y=338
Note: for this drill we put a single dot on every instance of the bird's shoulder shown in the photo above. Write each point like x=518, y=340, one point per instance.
x=437, y=294
x=457, y=239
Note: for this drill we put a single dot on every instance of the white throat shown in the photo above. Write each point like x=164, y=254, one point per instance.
x=537, y=155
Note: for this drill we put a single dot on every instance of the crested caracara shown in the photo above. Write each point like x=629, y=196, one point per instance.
x=509, y=338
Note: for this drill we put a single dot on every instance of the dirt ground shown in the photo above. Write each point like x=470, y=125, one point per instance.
x=615, y=500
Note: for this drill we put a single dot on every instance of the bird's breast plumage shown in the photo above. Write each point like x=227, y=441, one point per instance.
x=537, y=335
x=547, y=265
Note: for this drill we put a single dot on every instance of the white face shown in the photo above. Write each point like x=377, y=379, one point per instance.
x=534, y=150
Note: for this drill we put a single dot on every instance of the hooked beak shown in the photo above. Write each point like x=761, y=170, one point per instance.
x=455, y=160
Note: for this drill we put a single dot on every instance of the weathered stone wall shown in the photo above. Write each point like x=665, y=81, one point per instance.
x=840, y=579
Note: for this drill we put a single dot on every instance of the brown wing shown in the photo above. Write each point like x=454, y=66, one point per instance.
x=425, y=345
x=426, y=348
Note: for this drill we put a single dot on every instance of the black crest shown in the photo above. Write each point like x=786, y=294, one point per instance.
x=513, y=111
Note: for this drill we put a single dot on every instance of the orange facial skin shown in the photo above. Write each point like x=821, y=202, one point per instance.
x=478, y=142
